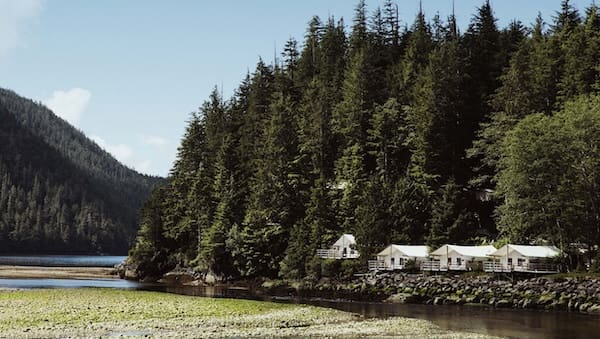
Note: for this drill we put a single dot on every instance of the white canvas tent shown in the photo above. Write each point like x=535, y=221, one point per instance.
x=523, y=258
x=458, y=258
x=395, y=257
x=343, y=248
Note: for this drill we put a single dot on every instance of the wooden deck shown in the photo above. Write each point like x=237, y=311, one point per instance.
x=436, y=266
x=328, y=253
x=538, y=268
x=380, y=265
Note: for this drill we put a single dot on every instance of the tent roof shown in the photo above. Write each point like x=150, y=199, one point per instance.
x=416, y=251
x=468, y=251
x=345, y=240
x=528, y=251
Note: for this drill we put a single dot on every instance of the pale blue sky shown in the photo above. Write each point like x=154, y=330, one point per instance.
x=129, y=72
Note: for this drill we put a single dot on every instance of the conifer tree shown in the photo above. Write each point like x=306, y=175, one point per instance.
x=484, y=65
x=372, y=218
x=213, y=255
x=151, y=251
x=308, y=64
x=405, y=72
x=451, y=220
x=409, y=211
x=351, y=119
x=439, y=124
x=388, y=141
x=580, y=57
x=181, y=225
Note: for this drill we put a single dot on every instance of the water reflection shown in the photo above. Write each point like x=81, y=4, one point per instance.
x=506, y=323
x=68, y=283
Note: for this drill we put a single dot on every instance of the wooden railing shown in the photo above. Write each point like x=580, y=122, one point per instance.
x=433, y=265
x=436, y=265
x=540, y=267
x=377, y=265
x=455, y=267
x=494, y=266
x=527, y=268
x=328, y=253
x=380, y=265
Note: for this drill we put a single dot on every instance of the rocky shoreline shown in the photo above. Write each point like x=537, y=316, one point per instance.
x=572, y=294
x=580, y=294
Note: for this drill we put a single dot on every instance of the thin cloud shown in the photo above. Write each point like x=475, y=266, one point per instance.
x=143, y=166
x=14, y=14
x=69, y=104
x=124, y=154
x=154, y=141
x=121, y=152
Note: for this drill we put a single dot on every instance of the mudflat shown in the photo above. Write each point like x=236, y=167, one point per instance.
x=39, y=272
x=50, y=313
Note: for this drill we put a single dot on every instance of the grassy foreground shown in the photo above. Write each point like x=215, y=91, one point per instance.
x=107, y=312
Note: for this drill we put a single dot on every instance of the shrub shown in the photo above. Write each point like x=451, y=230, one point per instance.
x=313, y=268
x=349, y=268
x=595, y=266
x=330, y=268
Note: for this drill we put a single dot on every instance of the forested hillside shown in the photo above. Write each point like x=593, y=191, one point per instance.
x=405, y=133
x=59, y=191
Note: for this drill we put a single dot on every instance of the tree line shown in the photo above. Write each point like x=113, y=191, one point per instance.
x=59, y=191
x=395, y=133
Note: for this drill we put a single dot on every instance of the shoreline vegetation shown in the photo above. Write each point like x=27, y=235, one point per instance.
x=560, y=292
x=109, y=312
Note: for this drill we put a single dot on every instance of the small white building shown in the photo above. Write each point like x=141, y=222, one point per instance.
x=343, y=248
x=395, y=257
x=523, y=258
x=458, y=258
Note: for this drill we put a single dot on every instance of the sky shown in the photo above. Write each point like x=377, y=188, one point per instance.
x=128, y=73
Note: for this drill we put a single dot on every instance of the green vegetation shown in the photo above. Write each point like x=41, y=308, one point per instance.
x=583, y=275
x=393, y=135
x=560, y=153
x=59, y=192
x=107, y=312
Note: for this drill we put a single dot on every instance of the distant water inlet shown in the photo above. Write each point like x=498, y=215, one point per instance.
x=62, y=260
x=67, y=283
x=61, y=271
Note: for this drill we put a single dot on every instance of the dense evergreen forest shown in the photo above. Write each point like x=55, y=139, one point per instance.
x=59, y=191
x=397, y=133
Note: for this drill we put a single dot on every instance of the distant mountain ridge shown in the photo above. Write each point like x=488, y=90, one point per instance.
x=59, y=191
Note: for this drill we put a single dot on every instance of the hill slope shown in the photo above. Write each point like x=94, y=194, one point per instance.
x=59, y=191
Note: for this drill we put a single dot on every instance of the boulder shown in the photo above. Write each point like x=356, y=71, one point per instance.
x=402, y=298
x=595, y=309
x=503, y=303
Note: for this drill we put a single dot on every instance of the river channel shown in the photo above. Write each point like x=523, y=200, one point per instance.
x=500, y=322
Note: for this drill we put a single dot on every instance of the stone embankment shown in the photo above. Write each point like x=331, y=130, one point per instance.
x=560, y=294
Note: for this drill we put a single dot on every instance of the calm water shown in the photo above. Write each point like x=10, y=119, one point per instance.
x=62, y=260
x=506, y=323
x=68, y=283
